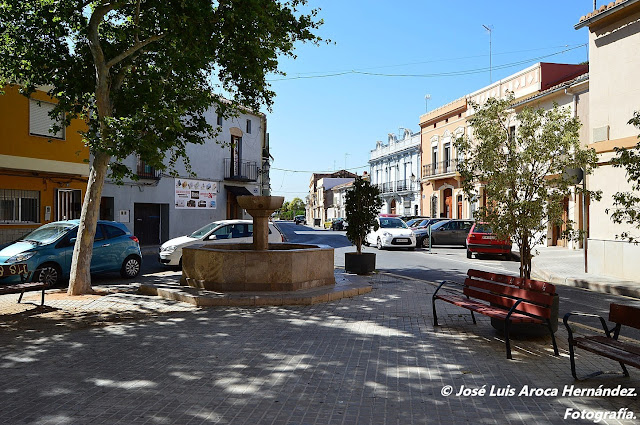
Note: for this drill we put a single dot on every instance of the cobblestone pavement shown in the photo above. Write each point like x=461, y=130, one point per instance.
x=372, y=359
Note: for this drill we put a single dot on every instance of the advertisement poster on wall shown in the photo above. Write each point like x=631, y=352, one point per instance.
x=195, y=194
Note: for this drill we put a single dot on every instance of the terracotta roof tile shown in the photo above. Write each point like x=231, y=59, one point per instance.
x=602, y=8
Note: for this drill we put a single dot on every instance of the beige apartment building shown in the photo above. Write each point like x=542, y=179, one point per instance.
x=614, y=95
x=442, y=194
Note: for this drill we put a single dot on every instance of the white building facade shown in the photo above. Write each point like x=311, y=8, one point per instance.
x=395, y=169
x=158, y=207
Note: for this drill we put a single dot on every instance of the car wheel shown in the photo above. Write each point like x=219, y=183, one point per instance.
x=130, y=266
x=469, y=255
x=48, y=273
x=424, y=242
x=379, y=244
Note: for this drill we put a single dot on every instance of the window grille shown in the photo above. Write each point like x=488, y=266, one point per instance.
x=19, y=206
x=68, y=204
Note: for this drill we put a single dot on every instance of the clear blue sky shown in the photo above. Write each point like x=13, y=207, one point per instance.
x=322, y=123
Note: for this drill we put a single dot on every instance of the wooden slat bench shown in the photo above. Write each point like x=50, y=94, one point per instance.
x=508, y=298
x=23, y=286
x=607, y=345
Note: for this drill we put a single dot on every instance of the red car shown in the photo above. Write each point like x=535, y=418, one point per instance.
x=482, y=240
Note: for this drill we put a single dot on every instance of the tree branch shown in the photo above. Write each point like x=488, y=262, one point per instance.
x=133, y=49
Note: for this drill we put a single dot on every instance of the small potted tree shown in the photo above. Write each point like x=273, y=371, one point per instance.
x=362, y=207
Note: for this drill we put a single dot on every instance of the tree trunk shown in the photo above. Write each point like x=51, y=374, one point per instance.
x=80, y=280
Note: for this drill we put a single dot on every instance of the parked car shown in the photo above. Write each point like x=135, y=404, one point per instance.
x=47, y=251
x=422, y=228
x=300, y=219
x=328, y=224
x=412, y=221
x=240, y=231
x=392, y=233
x=339, y=224
x=450, y=232
x=482, y=240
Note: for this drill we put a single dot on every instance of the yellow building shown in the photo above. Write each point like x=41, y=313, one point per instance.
x=43, y=175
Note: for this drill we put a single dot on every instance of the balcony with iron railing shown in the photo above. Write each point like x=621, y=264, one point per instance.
x=397, y=186
x=440, y=168
x=146, y=171
x=246, y=171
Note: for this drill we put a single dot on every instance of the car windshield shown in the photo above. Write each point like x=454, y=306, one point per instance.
x=392, y=223
x=438, y=225
x=482, y=228
x=201, y=232
x=48, y=233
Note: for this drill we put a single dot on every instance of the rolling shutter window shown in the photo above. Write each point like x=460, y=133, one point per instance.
x=40, y=122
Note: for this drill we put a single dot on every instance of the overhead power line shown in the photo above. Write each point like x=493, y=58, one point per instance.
x=432, y=75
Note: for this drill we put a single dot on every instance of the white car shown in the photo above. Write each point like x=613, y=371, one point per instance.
x=392, y=233
x=223, y=231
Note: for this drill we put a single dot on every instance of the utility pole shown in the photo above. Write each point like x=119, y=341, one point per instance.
x=426, y=102
x=489, y=29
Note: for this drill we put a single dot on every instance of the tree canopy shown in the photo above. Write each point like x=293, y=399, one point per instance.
x=521, y=171
x=626, y=205
x=142, y=73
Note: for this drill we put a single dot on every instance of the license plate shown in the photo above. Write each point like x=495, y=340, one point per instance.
x=13, y=269
x=402, y=240
x=488, y=237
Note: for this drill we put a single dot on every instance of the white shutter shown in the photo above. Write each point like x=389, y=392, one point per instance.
x=40, y=122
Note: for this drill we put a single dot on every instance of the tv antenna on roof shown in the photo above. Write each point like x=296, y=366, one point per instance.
x=489, y=29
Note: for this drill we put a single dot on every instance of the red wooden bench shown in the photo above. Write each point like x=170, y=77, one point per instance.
x=23, y=286
x=508, y=298
x=607, y=345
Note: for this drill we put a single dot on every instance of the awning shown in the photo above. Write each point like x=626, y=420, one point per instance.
x=238, y=190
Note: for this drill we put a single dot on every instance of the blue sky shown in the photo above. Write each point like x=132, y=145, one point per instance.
x=325, y=122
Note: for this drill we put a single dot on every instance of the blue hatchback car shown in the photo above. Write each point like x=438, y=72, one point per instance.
x=47, y=251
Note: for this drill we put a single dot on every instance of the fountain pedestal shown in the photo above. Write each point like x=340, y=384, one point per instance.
x=260, y=208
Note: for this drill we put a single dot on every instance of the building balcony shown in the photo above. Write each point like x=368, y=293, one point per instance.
x=146, y=171
x=396, y=187
x=439, y=168
x=246, y=171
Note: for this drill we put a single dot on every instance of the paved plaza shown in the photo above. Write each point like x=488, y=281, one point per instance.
x=376, y=358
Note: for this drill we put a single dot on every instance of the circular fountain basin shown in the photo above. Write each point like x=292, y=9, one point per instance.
x=238, y=267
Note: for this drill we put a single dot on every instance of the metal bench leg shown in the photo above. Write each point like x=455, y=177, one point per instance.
x=573, y=360
x=435, y=315
x=506, y=338
x=473, y=318
x=553, y=338
x=42, y=302
x=624, y=369
x=20, y=297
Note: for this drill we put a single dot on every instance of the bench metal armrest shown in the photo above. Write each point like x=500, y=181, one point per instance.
x=446, y=282
x=565, y=320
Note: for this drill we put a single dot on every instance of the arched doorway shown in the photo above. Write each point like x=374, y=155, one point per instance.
x=448, y=200
x=392, y=206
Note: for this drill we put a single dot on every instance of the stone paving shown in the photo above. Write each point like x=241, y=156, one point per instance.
x=372, y=359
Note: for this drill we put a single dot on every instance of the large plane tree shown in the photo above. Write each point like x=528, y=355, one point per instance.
x=142, y=73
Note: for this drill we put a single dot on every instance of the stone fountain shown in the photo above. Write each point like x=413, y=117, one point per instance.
x=260, y=266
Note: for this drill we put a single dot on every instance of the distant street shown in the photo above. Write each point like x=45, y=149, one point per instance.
x=449, y=262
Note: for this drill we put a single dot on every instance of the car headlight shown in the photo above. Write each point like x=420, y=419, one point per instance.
x=23, y=256
x=168, y=249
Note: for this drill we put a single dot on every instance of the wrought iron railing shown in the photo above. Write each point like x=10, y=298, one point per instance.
x=240, y=170
x=146, y=171
x=443, y=167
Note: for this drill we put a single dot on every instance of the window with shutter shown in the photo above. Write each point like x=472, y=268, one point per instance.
x=40, y=122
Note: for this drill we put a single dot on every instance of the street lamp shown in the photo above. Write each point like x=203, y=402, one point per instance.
x=426, y=102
